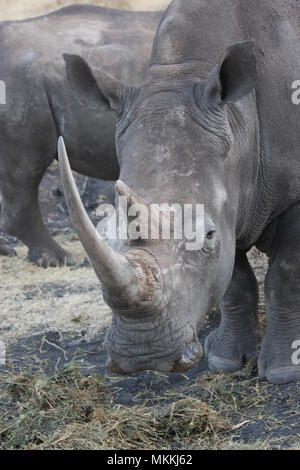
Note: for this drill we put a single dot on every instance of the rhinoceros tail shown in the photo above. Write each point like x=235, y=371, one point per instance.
x=49, y=89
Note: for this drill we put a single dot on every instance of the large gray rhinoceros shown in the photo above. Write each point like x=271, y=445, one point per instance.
x=218, y=126
x=29, y=51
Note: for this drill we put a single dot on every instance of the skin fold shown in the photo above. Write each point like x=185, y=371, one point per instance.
x=214, y=123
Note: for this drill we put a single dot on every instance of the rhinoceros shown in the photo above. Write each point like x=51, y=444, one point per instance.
x=216, y=122
x=30, y=51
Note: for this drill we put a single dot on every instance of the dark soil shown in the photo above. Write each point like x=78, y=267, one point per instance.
x=271, y=414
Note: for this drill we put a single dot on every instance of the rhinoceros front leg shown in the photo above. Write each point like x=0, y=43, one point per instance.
x=21, y=218
x=235, y=341
x=278, y=360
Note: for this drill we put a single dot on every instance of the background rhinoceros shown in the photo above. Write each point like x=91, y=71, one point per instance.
x=31, y=50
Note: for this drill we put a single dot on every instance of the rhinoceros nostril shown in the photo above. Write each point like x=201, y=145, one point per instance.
x=190, y=356
x=111, y=366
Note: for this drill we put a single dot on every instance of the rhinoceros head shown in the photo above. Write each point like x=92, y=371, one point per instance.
x=180, y=140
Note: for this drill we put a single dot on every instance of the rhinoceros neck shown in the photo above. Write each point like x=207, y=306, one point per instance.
x=184, y=38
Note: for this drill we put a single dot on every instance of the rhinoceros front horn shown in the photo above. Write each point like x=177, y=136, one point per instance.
x=124, y=278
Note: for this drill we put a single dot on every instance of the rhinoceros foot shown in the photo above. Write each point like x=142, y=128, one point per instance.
x=278, y=362
x=228, y=351
x=51, y=259
x=6, y=250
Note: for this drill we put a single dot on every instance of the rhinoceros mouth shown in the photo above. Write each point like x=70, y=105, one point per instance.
x=158, y=348
x=187, y=360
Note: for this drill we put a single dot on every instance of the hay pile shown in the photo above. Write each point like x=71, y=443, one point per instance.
x=70, y=411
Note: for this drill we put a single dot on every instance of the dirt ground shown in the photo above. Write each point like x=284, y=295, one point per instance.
x=51, y=320
x=20, y=9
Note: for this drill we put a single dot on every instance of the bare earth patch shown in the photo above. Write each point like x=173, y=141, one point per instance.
x=38, y=300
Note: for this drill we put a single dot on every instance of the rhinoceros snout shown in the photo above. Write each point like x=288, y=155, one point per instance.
x=189, y=358
x=183, y=362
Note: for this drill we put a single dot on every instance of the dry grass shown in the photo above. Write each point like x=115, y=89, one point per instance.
x=70, y=411
x=36, y=300
x=20, y=9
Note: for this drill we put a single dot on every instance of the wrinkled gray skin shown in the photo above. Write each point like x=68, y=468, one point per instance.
x=214, y=126
x=32, y=49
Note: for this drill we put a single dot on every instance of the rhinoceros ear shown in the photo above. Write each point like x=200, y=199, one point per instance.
x=236, y=74
x=94, y=88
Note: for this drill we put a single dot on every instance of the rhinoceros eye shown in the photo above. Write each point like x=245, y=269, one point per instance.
x=210, y=241
x=210, y=235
